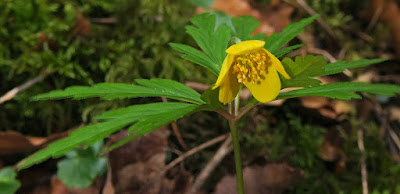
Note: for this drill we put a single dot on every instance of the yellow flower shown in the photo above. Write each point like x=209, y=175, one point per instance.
x=249, y=63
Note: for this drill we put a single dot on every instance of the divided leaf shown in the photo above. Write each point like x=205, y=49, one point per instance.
x=342, y=90
x=149, y=88
x=276, y=41
x=302, y=70
x=244, y=26
x=287, y=50
x=156, y=115
x=195, y=56
x=211, y=39
x=340, y=66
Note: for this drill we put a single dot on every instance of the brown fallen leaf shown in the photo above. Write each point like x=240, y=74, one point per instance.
x=274, y=17
x=271, y=178
x=58, y=187
x=387, y=12
x=13, y=142
x=331, y=150
x=136, y=166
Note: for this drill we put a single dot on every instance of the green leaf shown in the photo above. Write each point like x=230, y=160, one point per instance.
x=152, y=116
x=145, y=118
x=343, y=90
x=146, y=110
x=245, y=26
x=340, y=66
x=195, y=56
x=302, y=70
x=212, y=41
x=210, y=96
x=85, y=135
x=221, y=18
x=149, y=88
x=276, y=41
x=81, y=167
x=8, y=182
x=286, y=50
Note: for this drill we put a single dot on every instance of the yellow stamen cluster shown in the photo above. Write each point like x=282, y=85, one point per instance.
x=249, y=67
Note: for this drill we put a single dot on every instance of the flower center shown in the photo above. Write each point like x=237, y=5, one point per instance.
x=250, y=67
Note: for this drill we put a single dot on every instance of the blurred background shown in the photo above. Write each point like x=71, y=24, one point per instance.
x=304, y=145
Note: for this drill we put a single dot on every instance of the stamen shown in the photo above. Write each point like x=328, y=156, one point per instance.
x=250, y=67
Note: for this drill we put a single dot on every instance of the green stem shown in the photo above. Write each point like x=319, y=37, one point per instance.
x=238, y=160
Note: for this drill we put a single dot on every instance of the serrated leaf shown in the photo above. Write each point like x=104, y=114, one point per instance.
x=8, y=182
x=212, y=41
x=145, y=110
x=276, y=41
x=81, y=167
x=342, y=90
x=196, y=56
x=150, y=88
x=169, y=112
x=287, y=50
x=302, y=70
x=221, y=18
x=210, y=96
x=244, y=27
x=156, y=115
x=84, y=135
x=340, y=66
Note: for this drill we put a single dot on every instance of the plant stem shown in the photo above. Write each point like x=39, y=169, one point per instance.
x=238, y=160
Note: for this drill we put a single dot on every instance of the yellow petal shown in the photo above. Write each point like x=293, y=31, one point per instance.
x=229, y=88
x=224, y=70
x=277, y=64
x=267, y=89
x=245, y=47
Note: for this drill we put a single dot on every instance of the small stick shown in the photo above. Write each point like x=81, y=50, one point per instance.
x=322, y=52
x=176, y=130
x=364, y=173
x=374, y=18
x=225, y=149
x=184, y=156
x=193, y=151
x=12, y=93
x=321, y=22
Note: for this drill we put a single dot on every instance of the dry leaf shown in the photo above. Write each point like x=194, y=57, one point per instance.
x=58, y=187
x=331, y=150
x=271, y=178
x=13, y=142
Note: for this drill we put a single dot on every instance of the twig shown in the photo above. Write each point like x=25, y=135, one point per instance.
x=12, y=93
x=245, y=110
x=321, y=22
x=375, y=18
x=364, y=175
x=193, y=151
x=322, y=52
x=225, y=148
x=176, y=130
x=104, y=20
x=184, y=156
x=394, y=137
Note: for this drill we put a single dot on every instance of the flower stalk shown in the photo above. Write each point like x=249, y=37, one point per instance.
x=236, y=147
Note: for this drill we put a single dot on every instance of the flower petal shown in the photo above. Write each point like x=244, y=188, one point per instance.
x=224, y=70
x=277, y=64
x=245, y=47
x=268, y=88
x=229, y=88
